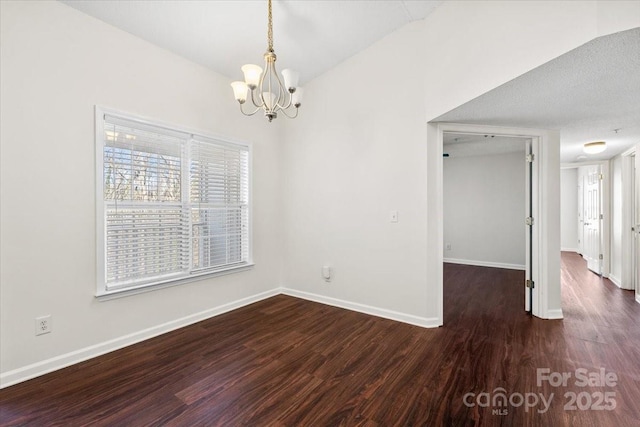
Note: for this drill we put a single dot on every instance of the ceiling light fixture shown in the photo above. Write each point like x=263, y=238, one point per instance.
x=594, y=147
x=267, y=91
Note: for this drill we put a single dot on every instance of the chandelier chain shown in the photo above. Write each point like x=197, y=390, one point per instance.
x=270, y=30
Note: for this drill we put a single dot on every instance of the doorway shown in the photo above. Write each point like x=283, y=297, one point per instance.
x=487, y=198
x=591, y=216
x=545, y=293
x=630, y=225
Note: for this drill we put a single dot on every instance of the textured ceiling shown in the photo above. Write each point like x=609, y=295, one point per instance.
x=309, y=36
x=586, y=94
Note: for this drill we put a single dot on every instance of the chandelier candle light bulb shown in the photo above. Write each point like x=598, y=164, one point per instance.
x=240, y=90
x=268, y=93
x=290, y=79
x=252, y=74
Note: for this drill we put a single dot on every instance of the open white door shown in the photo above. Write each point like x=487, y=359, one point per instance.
x=529, y=282
x=580, y=212
x=636, y=228
x=591, y=216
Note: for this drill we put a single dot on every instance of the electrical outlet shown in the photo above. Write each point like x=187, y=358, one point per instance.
x=43, y=325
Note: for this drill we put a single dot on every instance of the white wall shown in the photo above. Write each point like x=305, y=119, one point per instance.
x=362, y=148
x=484, y=210
x=56, y=64
x=569, y=209
x=348, y=162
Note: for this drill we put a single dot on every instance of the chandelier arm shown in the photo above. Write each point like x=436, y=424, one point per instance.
x=270, y=71
x=260, y=87
x=291, y=117
x=282, y=91
x=249, y=114
x=289, y=103
x=253, y=99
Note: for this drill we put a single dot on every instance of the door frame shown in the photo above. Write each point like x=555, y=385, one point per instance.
x=605, y=209
x=628, y=200
x=637, y=220
x=546, y=245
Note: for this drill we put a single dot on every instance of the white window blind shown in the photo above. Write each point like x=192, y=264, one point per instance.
x=174, y=204
x=218, y=194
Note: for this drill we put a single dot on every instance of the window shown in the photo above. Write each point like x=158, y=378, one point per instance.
x=172, y=205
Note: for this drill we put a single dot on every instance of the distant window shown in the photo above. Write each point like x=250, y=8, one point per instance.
x=172, y=205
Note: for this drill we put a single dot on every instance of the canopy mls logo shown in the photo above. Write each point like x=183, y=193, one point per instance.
x=500, y=402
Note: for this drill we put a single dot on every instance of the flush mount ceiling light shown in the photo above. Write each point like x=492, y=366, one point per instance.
x=594, y=147
x=267, y=91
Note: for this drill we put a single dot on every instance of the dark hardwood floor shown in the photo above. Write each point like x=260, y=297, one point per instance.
x=290, y=362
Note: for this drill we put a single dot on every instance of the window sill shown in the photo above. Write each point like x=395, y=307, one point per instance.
x=121, y=293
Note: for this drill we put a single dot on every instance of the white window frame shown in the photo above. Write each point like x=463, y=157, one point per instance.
x=103, y=293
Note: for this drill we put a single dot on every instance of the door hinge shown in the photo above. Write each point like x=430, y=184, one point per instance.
x=530, y=158
x=600, y=257
x=601, y=216
x=601, y=176
x=529, y=220
x=530, y=283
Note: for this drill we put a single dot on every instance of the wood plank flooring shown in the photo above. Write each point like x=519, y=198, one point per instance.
x=290, y=362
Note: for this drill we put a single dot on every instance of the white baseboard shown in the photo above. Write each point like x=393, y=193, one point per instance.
x=638, y=298
x=615, y=280
x=485, y=263
x=569, y=250
x=53, y=364
x=554, y=314
x=618, y=282
x=367, y=309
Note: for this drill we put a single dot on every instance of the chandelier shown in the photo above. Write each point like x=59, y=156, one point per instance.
x=267, y=91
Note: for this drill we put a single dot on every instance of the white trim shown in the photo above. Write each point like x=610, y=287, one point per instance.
x=627, y=202
x=169, y=126
x=62, y=361
x=605, y=223
x=615, y=281
x=605, y=209
x=569, y=250
x=544, y=256
x=189, y=136
x=149, y=287
x=638, y=298
x=366, y=309
x=485, y=264
x=53, y=364
x=435, y=228
x=553, y=314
